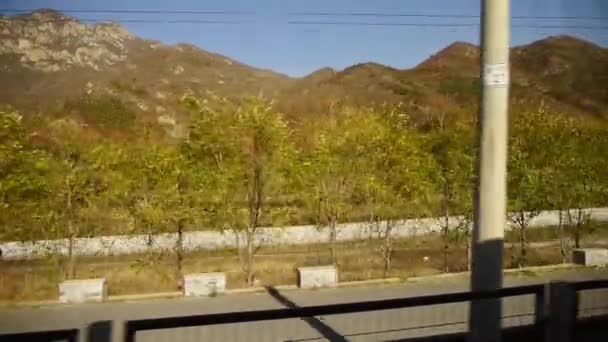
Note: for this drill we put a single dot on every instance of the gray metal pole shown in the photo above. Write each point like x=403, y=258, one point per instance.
x=490, y=206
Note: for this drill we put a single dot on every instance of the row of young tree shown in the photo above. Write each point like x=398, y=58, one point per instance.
x=244, y=166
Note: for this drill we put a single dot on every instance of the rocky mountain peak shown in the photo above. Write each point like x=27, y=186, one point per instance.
x=48, y=41
x=451, y=55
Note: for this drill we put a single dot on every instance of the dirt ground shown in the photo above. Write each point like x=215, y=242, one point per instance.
x=39, y=279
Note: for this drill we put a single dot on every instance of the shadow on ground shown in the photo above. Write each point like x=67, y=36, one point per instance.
x=325, y=330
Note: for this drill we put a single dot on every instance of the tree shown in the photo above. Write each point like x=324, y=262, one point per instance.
x=556, y=178
x=397, y=174
x=526, y=194
x=454, y=151
x=574, y=178
x=23, y=180
x=175, y=199
x=586, y=171
x=74, y=185
x=560, y=146
x=246, y=162
x=328, y=175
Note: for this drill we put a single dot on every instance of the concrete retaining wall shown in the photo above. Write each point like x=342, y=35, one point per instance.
x=214, y=239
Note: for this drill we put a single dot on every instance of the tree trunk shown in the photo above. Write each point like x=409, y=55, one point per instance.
x=249, y=257
x=446, y=226
x=522, y=239
x=179, y=254
x=149, y=238
x=446, y=245
x=71, y=269
x=578, y=227
x=468, y=247
x=522, y=246
x=256, y=196
x=562, y=242
x=332, y=238
x=388, y=248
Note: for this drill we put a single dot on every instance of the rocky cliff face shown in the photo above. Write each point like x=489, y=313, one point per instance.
x=48, y=41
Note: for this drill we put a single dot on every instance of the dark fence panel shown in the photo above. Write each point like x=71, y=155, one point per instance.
x=69, y=335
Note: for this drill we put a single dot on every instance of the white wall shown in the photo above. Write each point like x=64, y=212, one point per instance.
x=214, y=239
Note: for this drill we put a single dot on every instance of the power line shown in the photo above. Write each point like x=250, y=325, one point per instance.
x=348, y=23
x=422, y=15
x=321, y=14
x=155, y=21
x=582, y=27
x=338, y=14
x=167, y=21
x=352, y=23
x=127, y=11
x=308, y=23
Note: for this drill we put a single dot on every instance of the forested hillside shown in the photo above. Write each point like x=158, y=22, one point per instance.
x=131, y=136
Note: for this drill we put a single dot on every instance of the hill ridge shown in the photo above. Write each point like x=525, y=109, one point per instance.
x=55, y=66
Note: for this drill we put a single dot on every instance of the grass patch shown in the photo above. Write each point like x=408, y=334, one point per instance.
x=592, y=230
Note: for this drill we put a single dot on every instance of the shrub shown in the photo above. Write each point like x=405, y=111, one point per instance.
x=105, y=112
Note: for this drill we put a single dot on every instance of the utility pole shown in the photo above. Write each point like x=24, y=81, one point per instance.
x=491, y=192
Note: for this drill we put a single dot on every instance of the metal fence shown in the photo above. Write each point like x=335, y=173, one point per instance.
x=68, y=335
x=553, y=312
x=527, y=311
x=390, y=318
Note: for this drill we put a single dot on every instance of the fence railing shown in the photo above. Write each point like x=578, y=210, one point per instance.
x=555, y=314
x=555, y=310
x=132, y=327
x=68, y=335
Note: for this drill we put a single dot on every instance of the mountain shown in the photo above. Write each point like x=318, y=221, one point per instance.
x=562, y=73
x=56, y=64
x=51, y=61
x=571, y=71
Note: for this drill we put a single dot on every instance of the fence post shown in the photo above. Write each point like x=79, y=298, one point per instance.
x=541, y=309
x=563, y=307
x=129, y=333
x=100, y=332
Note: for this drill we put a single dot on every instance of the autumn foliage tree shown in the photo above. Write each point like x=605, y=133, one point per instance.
x=24, y=181
x=246, y=161
x=244, y=166
x=454, y=151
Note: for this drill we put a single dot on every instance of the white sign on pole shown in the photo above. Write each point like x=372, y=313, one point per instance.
x=496, y=75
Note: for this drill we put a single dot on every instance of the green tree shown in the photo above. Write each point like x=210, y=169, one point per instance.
x=328, y=175
x=153, y=183
x=454, y=151
x=527, y=169
x=246, y=163
x=573, y=172
x=397, y=174
x=175, y=199
x=75, y=186
x=23, y=181
x=586, y=169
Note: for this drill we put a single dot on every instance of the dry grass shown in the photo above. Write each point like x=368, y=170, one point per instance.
x=36, y=280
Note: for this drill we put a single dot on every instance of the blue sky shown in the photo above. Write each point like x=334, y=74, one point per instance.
x=264, y=38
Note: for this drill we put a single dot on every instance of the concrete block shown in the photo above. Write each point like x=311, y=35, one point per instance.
x=590, y=256
x=83, y=290
x=318, y=276
x=204, y=284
